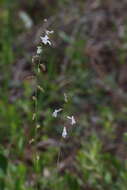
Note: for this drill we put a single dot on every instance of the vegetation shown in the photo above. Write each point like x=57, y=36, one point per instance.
x=87, y=62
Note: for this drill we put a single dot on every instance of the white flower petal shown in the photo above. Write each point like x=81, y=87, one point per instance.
x=45, y=40
x=64, y=133
x=56, y=112
x=39, y=50
x=49, y=32
x=72, y=119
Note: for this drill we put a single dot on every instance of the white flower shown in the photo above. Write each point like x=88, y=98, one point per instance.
x=45, y=20
x=65, y=97
x=49, y=32
x=45, y=39
x=64, y=133
x=72, y=119
x=39, y=50
x=56, y=112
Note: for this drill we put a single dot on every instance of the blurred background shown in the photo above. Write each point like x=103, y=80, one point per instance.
x=88, y=62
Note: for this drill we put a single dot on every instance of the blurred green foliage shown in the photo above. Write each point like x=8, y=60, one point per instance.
x=25, y=166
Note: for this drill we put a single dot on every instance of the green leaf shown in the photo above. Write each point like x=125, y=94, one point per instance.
x=3, y=170
x=3, y=163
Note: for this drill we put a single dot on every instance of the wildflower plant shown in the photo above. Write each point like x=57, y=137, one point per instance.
x=46, y=41
x=38, y=67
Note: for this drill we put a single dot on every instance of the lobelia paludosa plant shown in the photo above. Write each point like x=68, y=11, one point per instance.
x=46, y=41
